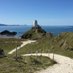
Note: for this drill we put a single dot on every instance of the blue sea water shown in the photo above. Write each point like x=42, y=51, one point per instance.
x=22, y=29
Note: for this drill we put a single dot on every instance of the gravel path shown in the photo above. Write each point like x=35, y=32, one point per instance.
x=19, y=47
x=64, y=64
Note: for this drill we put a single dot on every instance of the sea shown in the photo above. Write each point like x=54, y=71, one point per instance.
x=20, y=29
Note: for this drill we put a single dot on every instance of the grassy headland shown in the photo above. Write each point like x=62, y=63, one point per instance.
x=46, y=43
x=61, y=44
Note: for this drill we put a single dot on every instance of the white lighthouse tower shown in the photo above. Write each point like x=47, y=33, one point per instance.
x=35, y=23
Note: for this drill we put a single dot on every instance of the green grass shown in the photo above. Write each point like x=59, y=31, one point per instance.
x=25, y=65
x=39, y=46
x=32, y=64
x=9, y=44
x=47, y=45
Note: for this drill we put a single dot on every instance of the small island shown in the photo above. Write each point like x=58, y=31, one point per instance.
x=8, y=33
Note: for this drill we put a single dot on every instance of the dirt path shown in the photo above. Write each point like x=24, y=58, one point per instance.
x=65, y=64
x=19, y=47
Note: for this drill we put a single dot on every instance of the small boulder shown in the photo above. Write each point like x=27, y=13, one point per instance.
x=2, y=54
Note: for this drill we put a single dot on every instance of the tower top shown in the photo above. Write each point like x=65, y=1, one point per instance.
x=35, y=23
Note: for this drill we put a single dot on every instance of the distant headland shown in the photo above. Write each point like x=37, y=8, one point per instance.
x=13, y=25
x=3, y=25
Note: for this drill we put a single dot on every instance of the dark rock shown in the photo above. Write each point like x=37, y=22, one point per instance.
x=8, y=33
x=2, y=54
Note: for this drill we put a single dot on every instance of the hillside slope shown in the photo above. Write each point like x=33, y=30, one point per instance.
x=36, y=32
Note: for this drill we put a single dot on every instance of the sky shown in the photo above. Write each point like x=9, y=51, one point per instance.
x=46, y=12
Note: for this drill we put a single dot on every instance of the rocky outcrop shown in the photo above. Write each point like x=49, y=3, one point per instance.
x=65, y=40
x=36, y=32
x=8, y=33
